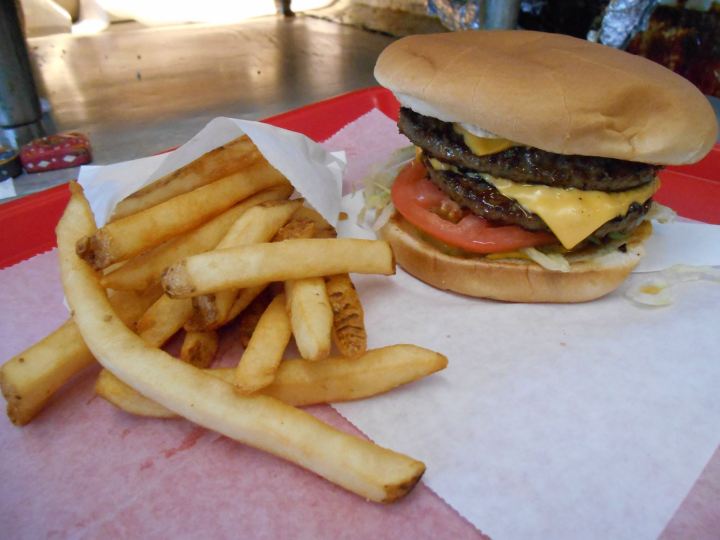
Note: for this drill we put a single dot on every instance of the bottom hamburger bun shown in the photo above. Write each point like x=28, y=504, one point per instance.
x=513, y=280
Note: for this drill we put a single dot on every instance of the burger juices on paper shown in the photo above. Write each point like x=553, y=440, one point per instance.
x=537, y=160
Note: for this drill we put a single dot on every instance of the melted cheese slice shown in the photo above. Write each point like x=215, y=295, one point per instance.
x=572, y=214
x=440, y=166
x=481, y=146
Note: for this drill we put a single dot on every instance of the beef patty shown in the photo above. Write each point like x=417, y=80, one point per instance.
x=470, y=191
x=524, y=164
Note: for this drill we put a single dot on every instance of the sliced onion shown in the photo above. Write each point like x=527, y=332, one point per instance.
x=655, y=290
x=550, y=261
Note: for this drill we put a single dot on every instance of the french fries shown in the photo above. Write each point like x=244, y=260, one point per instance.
x=142, y=271
x=199, y=348
x=259, y=224
x=311, y=316
x=257, y=264
x=194, y=250
x=301, y=383
x=348, y=326
x=218, y=163
x=265, y=349
x=29, y=379
x=266, y=423
x=133, y=234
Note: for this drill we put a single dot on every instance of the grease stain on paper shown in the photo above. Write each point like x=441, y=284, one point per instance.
x=187, y=443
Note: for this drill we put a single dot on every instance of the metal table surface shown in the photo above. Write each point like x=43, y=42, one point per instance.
x=136, y=90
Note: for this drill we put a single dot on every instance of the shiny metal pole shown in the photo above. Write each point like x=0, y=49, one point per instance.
x=20, y=112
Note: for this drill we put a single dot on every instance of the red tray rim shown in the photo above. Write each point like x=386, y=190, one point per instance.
x=27, y=224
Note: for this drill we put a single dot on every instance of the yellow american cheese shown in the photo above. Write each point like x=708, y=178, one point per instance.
x=572, y=214
x=482, y=146
x=440, y=166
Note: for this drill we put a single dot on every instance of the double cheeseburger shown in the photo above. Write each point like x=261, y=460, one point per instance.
x=536, y=160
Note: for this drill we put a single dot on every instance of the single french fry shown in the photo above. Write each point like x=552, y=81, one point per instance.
x=251, y=315
x=348, y=327
x=124, y=397
x=213, y=165
x=259, y=224
x=163, y=319
x=247, y=266
x=263, y=422
x=302, y=383
x=311, y=316
x=199, y=348
x=29, y=379
x=267, y=345
x=142, y=271
x=133, y=234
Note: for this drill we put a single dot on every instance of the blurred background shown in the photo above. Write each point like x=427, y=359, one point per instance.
x=139, y=76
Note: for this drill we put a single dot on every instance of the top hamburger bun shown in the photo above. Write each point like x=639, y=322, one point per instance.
x=553, y=92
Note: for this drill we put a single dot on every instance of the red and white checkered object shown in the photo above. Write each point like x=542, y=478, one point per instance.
x=56, y=152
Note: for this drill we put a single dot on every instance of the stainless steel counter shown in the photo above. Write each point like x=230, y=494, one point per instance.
x=136, y=91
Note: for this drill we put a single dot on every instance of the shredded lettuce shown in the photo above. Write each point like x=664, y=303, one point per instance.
x=661, y=213
x=377, y=207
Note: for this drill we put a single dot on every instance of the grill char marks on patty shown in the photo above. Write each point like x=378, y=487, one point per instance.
x=470, y=191
x=524, y=164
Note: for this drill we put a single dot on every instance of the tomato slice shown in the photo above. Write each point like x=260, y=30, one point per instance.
x=415, y=197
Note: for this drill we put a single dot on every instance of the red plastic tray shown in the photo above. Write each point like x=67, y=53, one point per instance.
x=27, y=225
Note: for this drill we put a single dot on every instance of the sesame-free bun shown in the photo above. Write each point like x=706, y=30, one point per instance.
x=554, y=92
x=512, y=280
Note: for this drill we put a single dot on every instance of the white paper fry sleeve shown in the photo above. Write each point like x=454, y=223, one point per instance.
x=314, y=172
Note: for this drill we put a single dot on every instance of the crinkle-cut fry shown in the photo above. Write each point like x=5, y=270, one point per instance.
x=348, y=326
x=29, y=379
x=251, y=315
x=199, y=348
x=213, y=165
x=264, y=352
x=163, y=319
x=256, y=264
x=311, y=316
x=259, y=224
x=302, y=383
x=142, y=271
x=263, y=422
x=133, y=234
